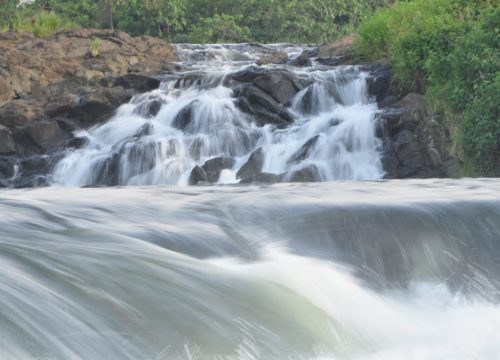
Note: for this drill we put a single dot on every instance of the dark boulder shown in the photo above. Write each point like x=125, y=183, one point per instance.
x=78, y=143
x=140, y=156
x=20, y=113
x=253, y=166
x=184, y=117
x=415, y=144
x=309, y=173
x=303, y=60
x=304, y=151
x=149, y=109
x=380, y=81
x=197, y=175
x=281, y=85
x=95, y=105
x=89, y=106
x=265, y=109
x=144, y=130
x=264, y=178
x=214, y=167
x=108, y=171
x=37, y=165
x=47, y=135
x=25, y=146
x=388, y=101
x=33, y=181
x=137, y=82
x=247, y=75
x=7, y=164
x=7, y=145
x=329, y=61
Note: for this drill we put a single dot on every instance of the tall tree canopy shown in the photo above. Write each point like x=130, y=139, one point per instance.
x=304, y=21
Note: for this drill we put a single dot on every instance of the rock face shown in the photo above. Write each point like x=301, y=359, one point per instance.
x=415, y=144
x=266, y=93
x=51, y=87
x=253, y=166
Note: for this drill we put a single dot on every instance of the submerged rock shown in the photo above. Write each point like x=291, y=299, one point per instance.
x=309, y=173
x=214, y=167
x=303, y=152
x=264, y=178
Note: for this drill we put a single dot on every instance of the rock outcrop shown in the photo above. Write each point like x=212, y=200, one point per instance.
x=415, y=143
x=51, y=87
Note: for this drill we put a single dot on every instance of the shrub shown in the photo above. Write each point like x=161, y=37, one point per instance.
x=43, y=24
x=95, y=47
x=450, y=50
x=219, y=28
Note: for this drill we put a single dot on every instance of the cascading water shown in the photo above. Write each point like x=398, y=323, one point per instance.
x=331, y=135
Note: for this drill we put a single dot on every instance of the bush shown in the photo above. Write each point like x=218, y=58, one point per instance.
x=408, y=33
x=44, y=24
x=450, y=50
x=95, y=47
x=219, y=29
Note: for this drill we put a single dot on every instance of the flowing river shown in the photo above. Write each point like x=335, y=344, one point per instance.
x=154, y=269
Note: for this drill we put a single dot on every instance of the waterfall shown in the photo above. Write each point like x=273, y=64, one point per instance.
x=159, y=137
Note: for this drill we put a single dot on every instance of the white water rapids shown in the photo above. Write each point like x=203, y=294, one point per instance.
x=335, y=111
x=344, y=271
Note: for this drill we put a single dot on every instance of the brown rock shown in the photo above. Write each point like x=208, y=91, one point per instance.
x=278, y=57
x=342, y=47
x=31, y=65
x=19, y=113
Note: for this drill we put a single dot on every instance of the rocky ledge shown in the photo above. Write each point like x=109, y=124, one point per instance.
x=50, y=87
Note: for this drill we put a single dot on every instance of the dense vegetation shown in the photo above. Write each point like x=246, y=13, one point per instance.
x=300, y=21
x=449, y=50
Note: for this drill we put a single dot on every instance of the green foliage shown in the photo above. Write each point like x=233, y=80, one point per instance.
x=95, y=47
x=219, y=28
x=43, y=24
x=304, y=21
x=450, y=50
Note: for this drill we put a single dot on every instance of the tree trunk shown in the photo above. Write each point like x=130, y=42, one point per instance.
x=106, y=14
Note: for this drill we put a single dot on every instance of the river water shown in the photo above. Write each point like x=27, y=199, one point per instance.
x=342, y=270
x=345, y=270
